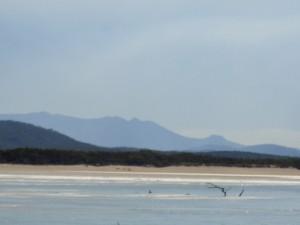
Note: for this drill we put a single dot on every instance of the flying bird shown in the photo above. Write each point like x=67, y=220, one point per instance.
x=222, y=189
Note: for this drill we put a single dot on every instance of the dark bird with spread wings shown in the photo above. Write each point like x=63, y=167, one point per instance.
x=222, y=189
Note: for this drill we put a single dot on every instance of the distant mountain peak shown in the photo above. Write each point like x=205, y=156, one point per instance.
x=216, y=137
x=110, y=118
x=43, y=113
x=136, y=120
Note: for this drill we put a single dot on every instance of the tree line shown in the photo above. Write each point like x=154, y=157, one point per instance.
x=142, y=158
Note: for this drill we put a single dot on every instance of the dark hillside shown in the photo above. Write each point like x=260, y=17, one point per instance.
x=21, y=135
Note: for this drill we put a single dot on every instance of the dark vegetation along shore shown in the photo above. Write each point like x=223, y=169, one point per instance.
x=144, y=158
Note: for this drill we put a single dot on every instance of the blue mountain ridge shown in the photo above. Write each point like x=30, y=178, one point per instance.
x=135, y=133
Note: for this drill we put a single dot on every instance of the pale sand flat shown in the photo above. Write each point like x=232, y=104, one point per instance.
x=171, y=174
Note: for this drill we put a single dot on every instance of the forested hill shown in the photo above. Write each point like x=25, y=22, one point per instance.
x=19, y=135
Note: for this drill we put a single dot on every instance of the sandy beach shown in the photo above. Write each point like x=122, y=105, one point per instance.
x=92, y=170
x=151, y=174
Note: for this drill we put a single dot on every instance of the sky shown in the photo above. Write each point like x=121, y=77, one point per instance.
x=197, y=67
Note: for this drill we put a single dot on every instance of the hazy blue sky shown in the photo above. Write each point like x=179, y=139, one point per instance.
x=197, y=67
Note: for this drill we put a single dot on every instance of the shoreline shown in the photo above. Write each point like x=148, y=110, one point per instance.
x=174, y=174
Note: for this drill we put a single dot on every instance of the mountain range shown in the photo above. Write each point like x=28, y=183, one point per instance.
x=135, y=133
x=118, y=132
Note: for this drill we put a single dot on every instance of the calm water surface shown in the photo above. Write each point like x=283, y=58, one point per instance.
x=32, y=202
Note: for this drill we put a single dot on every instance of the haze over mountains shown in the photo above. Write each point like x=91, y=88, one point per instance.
x=118, y=132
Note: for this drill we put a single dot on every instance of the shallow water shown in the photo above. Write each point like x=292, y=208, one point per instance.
x=96, y=202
